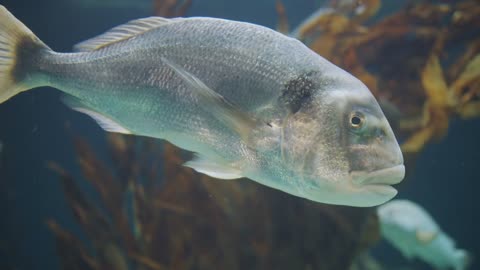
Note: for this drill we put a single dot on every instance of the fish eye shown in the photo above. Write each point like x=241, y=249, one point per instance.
x=357, y=120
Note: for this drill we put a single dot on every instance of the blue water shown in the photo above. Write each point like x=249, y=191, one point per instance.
x=446, y=179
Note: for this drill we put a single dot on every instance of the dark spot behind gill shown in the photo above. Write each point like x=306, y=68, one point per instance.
x=298, y=91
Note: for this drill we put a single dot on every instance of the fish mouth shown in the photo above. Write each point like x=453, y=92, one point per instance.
x=362, y=189
x=379, y=178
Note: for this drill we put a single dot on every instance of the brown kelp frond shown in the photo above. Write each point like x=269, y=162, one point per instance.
x=358, y=10
x=73, y=255
x=88, y=215
x=146, y=261
x=171, y=8
x=282, y=25
x=169, y=217
x=409, y=58
x=112, y=191
x=96, y=225
x=456, y=68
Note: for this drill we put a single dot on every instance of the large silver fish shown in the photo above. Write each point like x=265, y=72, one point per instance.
x=249, y=101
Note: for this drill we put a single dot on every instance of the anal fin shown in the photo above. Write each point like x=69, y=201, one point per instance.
x=213, y=169
x=103, y=121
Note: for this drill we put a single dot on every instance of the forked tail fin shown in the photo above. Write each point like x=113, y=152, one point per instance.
x=463, y=259
x=18, y=49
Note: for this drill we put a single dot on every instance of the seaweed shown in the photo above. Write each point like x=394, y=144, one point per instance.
x=171, y=8
x=153, y=213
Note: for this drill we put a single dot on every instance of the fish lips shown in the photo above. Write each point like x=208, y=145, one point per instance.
x=361, y=189
x=375, y=187
x=382, y=177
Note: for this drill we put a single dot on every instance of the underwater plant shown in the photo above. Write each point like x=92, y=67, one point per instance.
x=153, y=213
x=422, y=61
x=164, y=8
x=171, y=8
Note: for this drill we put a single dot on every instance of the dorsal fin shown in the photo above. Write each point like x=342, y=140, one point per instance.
x=122, y=32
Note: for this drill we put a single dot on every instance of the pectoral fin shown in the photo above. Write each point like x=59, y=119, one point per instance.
x=221, y=108
x=425, y=237
x=103, y=121
x=213, y=169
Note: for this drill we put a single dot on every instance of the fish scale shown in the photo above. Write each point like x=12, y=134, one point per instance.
x=258, y=81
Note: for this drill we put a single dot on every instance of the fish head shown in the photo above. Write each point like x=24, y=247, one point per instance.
x=342, y=146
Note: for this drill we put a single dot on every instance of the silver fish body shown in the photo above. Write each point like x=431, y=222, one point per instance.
x=219, y=52
x=250, y=101
x=414, y=232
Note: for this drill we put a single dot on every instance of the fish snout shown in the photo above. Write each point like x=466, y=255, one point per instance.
x=377, y=157
x=374, y=187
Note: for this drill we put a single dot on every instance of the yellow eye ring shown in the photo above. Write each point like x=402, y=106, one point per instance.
x=357, y=120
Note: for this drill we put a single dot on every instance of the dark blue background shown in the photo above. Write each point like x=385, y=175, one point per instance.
x=33, y=131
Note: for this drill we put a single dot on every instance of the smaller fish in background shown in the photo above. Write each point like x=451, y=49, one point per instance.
x=409, y=228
